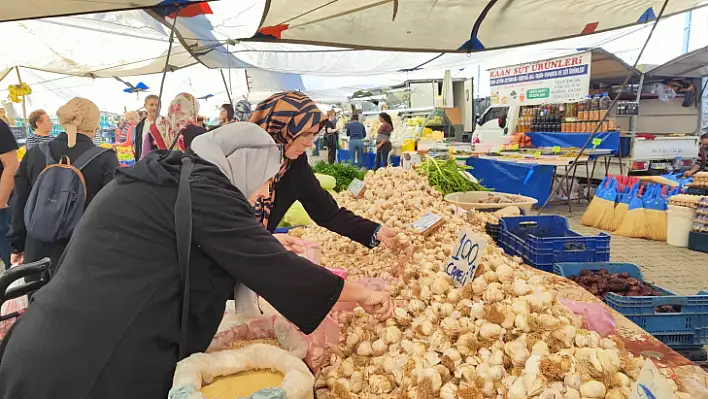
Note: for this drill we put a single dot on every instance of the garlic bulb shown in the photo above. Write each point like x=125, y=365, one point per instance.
x=618, y=393
x=477, y=310
x=416, y=306
x=402, y=317
x=392, y=335
x=379, y=384
x=379, y=347
x=504, y=273
x=440, y=286
x=356, y=382
x=593, y=390
x=571, y=393
x=492, y=295
x=448, y=391
x=453, y=295
x=521, y=288
x=364, y=349
x=491, y=331
x=517, y=390
x=540, y=348
x=479, y=285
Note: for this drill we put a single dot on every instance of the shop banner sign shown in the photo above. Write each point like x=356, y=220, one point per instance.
x=465, y=258
x=558, y=80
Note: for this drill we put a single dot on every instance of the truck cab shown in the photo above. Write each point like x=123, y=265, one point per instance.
x=496, y=124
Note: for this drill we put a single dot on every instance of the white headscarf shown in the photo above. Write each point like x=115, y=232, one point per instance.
x=244, y=152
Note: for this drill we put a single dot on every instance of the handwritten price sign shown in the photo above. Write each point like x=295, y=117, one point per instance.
x=357, y=188
x=465, y=258
x=651, y=384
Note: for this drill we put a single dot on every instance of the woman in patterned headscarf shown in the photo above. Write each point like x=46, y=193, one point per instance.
x=293, y=120
x=180, y=124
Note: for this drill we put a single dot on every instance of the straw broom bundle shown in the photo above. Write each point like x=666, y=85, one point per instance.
x=655, y=210
x=634, y=223
x=622, y=206
x=593, y=212
x=606, y=209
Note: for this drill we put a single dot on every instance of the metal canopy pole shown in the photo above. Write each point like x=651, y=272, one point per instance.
x=167, y=63
x=226, y=86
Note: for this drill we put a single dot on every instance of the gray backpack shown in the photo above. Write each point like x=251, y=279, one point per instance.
x=58, y=197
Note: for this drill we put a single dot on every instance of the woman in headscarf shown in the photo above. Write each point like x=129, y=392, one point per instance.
x=242, y=111
x=108, y=324
x=293, y=120
x=80, y=119
x=179, y=125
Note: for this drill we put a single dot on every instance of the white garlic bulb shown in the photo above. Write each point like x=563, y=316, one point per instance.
x=440, y=286
x=364, y=349
x=491, y=331
x=379, y=347
x=448, y=391
x=392, y=335
x=593, y=390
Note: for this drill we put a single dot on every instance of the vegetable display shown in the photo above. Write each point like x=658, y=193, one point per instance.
x=601, y=282
x=505, y=335
x=342, y=172
x=448, y=176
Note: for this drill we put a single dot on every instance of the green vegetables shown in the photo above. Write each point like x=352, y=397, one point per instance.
x=448, y=176
x=343, y=173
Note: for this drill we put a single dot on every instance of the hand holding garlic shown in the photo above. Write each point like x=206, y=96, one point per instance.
x=379, y=304
x=387, y=235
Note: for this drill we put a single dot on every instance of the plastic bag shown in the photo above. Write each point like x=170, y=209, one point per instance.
x=595, y=316
x=246, y=302
x=266, y=327
x=665, y=93
x=17, y=305
x=202, y=368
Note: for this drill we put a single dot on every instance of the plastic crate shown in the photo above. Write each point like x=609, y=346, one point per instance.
x=698, y=241
x=493, y=231
x=686, y=329
x=544, y=240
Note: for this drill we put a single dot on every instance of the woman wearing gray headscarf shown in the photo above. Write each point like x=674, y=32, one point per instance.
x=242, y=111
x=108, y=324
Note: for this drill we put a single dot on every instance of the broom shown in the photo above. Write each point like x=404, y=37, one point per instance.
x=607, y=208
x=592, y=213
x=655, y=208
x=634, y=223
x=622, y=203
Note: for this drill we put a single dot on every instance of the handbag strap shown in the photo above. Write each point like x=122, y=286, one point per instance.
x=183, y=231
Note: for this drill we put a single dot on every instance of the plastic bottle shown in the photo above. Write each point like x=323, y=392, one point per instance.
x=581, y=110
x=604, y=104
x=587, y=105
x=595, y=108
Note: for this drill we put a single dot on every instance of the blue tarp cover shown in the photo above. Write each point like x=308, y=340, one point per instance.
x=508, y=177
x=610, y=140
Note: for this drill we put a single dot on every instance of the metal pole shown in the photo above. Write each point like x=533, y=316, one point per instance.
x=223, y=78
x=167, y=62
x=24, y=107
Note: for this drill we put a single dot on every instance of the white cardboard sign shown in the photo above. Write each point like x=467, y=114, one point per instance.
x=357, y=188
x=651, y=384
x=465, y=257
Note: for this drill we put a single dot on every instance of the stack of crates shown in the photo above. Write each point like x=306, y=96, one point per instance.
x=685, y=331
x=544, y=240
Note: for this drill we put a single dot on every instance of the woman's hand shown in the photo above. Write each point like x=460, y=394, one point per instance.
x=17, y=259
x=291, y=243
x=387, y=235
x=379, y=304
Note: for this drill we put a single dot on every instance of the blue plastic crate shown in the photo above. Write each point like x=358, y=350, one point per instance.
x=544, y=240
x=685, y=329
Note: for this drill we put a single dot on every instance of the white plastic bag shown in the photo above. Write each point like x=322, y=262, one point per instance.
x=202, y=368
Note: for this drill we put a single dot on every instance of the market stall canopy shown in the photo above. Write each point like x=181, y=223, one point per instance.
x=609, y=68
x=31, y=9
x=446, y=26
x=690, y=65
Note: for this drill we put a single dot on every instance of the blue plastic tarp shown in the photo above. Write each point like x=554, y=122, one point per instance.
x=609, y=140
x=513, y=178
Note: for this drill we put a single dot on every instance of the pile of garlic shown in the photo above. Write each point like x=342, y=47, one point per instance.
x=504, y=335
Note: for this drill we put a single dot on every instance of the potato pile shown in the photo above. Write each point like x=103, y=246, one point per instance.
x=504, y=335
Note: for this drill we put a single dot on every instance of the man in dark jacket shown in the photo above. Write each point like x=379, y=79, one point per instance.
x=143, y=127
x=108, y=324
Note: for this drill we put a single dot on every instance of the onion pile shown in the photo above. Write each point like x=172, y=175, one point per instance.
x=504, y=335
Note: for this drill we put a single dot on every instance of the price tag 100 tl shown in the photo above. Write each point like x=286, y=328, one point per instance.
x=357, y=188
x=465, y=258
x=537, y=154
x=651, y=384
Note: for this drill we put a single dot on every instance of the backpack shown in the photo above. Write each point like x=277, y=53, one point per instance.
x=58, y=197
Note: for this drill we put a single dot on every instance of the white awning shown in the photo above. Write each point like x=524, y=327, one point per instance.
x=689, y=65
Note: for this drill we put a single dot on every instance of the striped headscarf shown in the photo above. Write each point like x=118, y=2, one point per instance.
x=285, y=116
x=242, y=111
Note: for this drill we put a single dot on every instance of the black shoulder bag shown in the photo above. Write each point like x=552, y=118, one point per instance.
x=183, y=231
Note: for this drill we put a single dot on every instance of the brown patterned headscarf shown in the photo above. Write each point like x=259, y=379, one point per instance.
x=285, y=116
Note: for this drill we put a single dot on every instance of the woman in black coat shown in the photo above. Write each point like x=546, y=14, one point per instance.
x=294, y=120
x=108, y=324
x=80, y=119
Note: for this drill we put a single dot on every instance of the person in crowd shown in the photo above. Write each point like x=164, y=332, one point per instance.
x=41, y=126
x=126, y=129
x=383, y=140
x=143, y=127
x=4, y=117
x=8, y=167
x=201, y=122
x=107, y=326
x=701, y=164
x=331, y=136
x=180, y=124
x=80, y=119
x=293, y=120
x=242, y=111
x=226, y=116
x=356, y=132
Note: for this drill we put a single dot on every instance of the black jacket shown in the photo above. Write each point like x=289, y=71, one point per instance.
x=96, y=175
x=138, y=142
x=300, y=184
x=108, y=324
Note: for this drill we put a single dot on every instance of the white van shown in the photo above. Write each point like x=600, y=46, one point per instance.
x=496, y=124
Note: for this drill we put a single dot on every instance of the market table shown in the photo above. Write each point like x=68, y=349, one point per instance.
x=636, y=340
